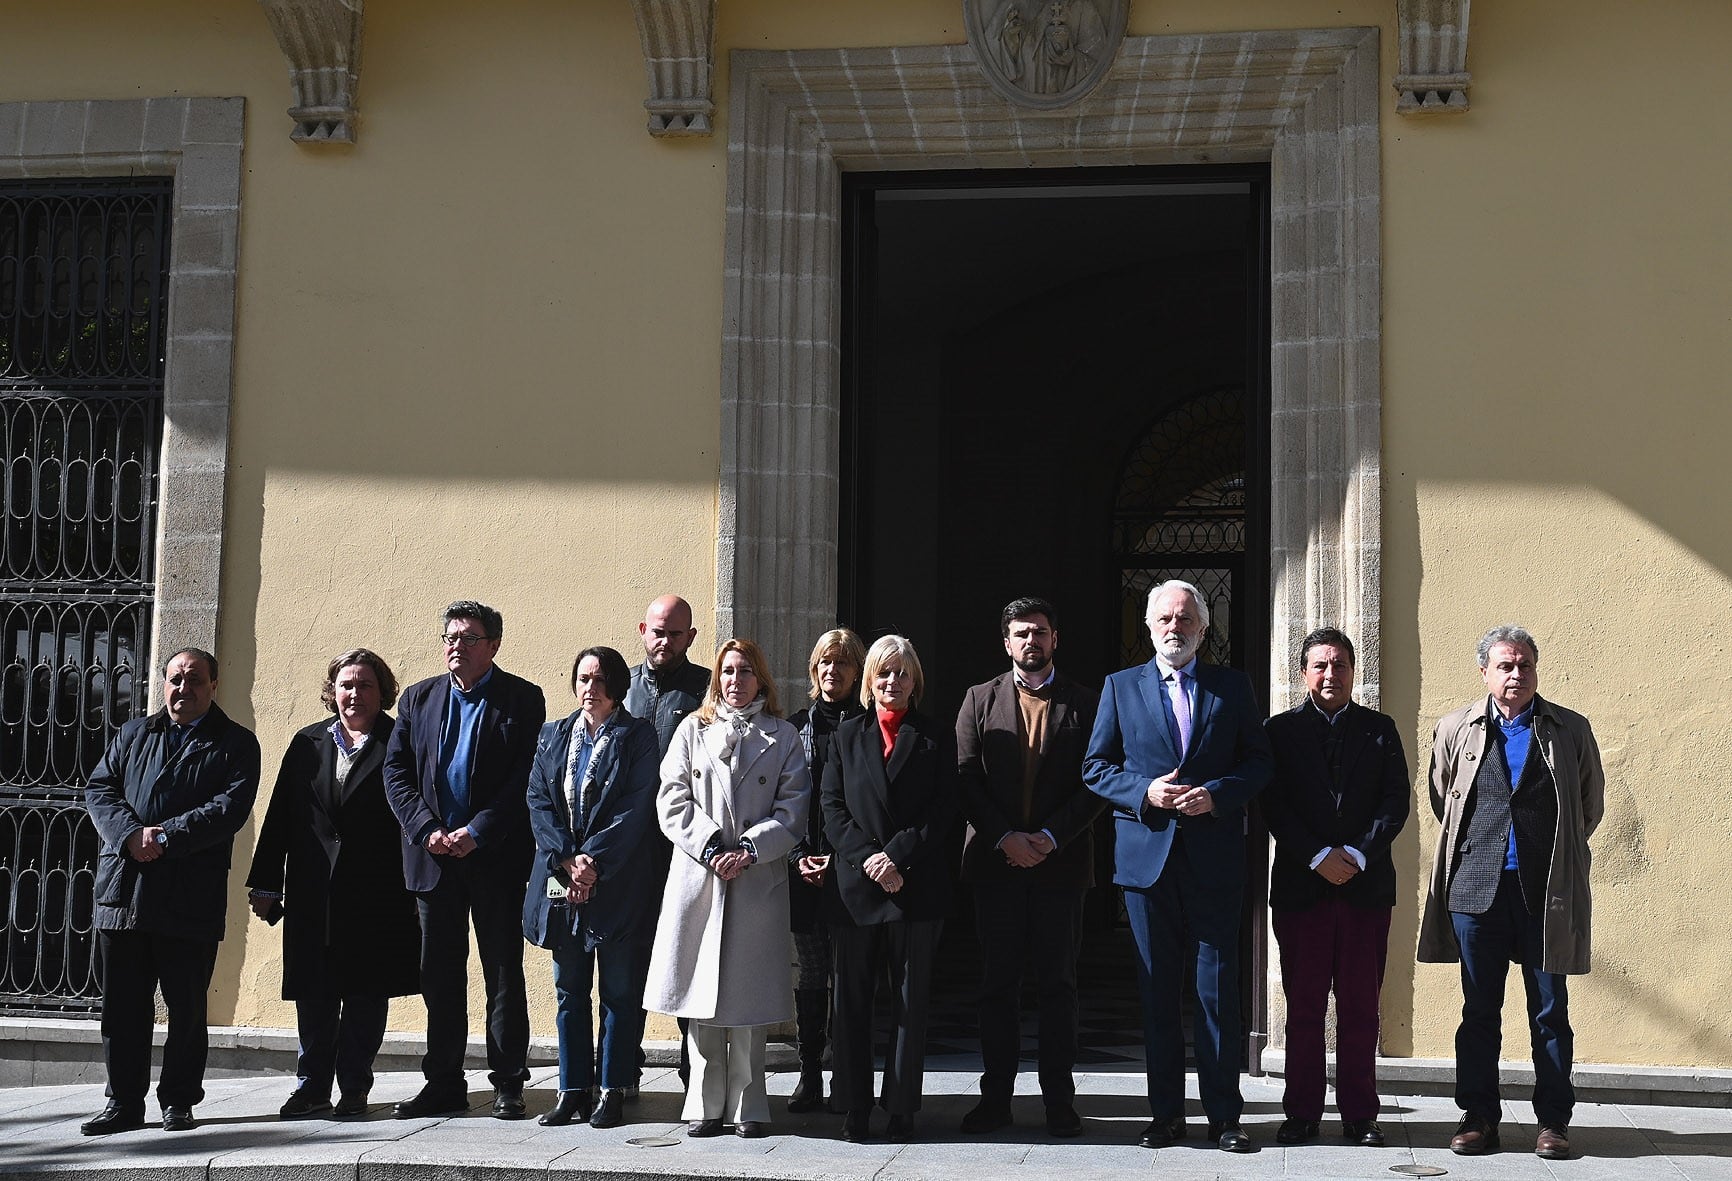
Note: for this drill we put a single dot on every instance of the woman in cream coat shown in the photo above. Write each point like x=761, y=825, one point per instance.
x=733, y=801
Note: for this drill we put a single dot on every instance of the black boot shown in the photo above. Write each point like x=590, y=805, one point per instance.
x=811, y=1016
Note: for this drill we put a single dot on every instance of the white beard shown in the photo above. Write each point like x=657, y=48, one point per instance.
x=1178, y=654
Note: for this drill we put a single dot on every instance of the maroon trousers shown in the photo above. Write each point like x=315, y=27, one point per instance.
x=1332, y=945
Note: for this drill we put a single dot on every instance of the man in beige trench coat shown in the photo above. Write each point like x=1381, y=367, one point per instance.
x=1517, y=783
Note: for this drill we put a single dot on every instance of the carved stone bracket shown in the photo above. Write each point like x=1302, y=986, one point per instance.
x=1432, y=75
x=679, y=52
x=322, y=40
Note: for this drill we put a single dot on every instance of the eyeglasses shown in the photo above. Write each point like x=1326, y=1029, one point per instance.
x=456, y=640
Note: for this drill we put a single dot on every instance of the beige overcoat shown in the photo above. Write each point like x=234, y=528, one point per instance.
x=1566, y=742
x=722, y=950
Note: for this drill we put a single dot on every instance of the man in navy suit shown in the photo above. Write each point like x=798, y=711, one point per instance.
x=1178, y=751
x=1339, y=796
x=457, y=775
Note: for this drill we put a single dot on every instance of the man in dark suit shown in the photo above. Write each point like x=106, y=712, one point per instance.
x=1029, y=856
x=1339, y=796
x=1178, y=751
x=166, y=799
x=457, y=774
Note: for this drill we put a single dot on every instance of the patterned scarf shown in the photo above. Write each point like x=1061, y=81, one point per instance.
x=737, y=723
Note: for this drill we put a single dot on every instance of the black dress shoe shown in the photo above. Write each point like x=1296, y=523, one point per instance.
x=432, y=1100
x=1363, y=1132
x=899, y=1129
x=508, y=1103
x=176, y=1118
x=116, y=1117
x=610, y=1112
x=1062, y=1121
x=751, y=1129
x=302, y=1104
x=988, y=1115
x=857, y=1126
x=699, y=1129
x=1297, y=1131
x=1163, y=1132
x=1231, y=1138
x=351, y=1103
x=567, y=1107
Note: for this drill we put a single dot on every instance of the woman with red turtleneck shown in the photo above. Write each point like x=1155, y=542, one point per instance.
x=889, y=799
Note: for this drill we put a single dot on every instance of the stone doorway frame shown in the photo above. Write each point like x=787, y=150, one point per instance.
x=1306, y=101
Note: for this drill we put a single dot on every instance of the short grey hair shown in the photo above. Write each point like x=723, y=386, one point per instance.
x=884, y=650
x=1197, y=599
x=1507, y=633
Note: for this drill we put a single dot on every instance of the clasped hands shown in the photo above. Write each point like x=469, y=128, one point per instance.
x=581, y=873
x=1338, y=866
x=730, y=864
x=458, y=842
x=142, y=845
x=1025, y=850
x=1183, y=798
x=882, y=870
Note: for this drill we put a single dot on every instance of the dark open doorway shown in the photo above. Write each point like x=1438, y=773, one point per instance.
x=1056, y=383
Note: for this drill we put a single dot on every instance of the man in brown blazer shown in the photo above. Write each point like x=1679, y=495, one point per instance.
x=1029, y=857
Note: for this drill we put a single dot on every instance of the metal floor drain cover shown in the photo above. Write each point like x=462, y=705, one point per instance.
x=652, y=1141
x=1419, y=1170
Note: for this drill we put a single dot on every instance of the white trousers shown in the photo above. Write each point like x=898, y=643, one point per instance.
x=727, y=1073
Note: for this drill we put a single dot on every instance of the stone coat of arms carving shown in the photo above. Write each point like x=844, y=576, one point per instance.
x=1045, y=53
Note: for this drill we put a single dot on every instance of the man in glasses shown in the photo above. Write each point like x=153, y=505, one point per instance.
x=456, y=772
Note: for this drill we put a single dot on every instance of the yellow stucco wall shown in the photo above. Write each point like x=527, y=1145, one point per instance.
x=477, y=355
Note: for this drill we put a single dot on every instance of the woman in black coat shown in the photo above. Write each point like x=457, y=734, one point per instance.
x=889, y=799
x=834, y=667
x=329, y=862
x=595, y=887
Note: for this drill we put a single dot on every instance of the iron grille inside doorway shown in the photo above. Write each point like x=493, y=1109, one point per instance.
x=83, y=285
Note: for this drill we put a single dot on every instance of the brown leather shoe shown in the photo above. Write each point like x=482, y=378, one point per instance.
x=1474, y=1135
x=1553, y=1143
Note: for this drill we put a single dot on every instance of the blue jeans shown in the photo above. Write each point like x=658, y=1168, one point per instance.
x=623, y=969
x=1490, y=942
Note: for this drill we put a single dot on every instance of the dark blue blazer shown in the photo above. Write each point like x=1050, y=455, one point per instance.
x=622, y=822
x=498, y=778
x=1132, y=745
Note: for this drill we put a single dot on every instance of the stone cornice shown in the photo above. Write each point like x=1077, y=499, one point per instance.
x=679, y=52
x=1432, y=74
x=322, y=41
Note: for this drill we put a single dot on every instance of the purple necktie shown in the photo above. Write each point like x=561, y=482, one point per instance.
x=1182, y=712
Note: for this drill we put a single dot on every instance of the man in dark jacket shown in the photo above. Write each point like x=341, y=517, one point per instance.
x=457, y=774
x=1030, y=858
x=166, y=799
x=666, y=686
x=1339, y=796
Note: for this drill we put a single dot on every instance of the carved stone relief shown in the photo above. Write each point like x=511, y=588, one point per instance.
x=679, y=50
x=1432, y=75
x=1045, y=53
x=322, y=41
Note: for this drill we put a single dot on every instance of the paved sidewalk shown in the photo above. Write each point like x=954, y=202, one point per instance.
x=239, y=1138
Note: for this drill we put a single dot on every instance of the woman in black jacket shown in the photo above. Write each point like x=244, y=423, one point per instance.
x=889, y=799
x=329, y=862
x=834, y=667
